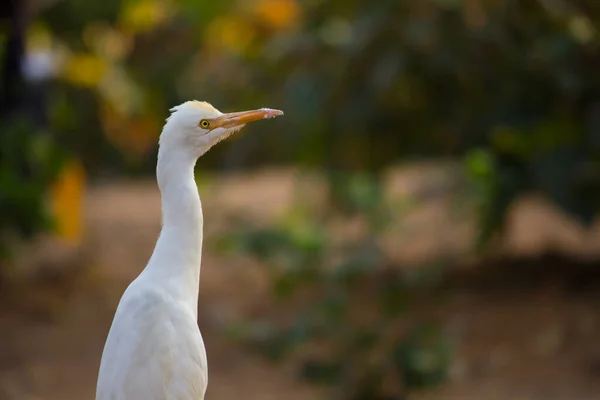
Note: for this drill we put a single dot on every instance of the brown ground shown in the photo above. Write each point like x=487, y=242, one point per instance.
x=527, y=330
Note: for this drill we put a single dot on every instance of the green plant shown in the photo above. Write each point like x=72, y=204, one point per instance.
x=29, y=161
x=364, y=84
x=348, y=305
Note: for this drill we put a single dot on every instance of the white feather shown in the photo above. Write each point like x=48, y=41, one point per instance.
x=154, y=350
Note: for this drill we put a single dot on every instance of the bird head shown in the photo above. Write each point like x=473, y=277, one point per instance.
x=197, y=126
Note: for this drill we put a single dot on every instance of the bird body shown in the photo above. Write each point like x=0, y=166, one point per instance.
x=154, y=349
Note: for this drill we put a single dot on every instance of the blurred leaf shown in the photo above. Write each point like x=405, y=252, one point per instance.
x=140, y=16
x=67, y=197
x=480, y=164
x=333, y=306
x=270, y=340
x=369, y=387
x=321, y=372
x=425, y=276
x=450, y=3
x=355, y=192
x=261, y=243
x=307, y=239
x=423, y=357
x=29, y=162
x=278, y=14
x=556, y=174
x=497, y=181
x=285, y=285
x=201, y=11
x=230, y=32
x=366, y=338
x=393, y=298
x=84, y=70
x=360, y=260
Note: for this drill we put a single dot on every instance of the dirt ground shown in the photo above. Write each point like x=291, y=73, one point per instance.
x=527, y=329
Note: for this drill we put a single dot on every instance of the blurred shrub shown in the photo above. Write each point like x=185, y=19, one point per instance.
x=29, y=157
x=350, y=303
x=29, y=161
x=363, y=84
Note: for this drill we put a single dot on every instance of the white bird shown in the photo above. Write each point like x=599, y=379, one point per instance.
x=154, y=349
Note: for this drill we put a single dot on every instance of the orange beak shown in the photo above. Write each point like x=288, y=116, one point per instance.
x=235, y=119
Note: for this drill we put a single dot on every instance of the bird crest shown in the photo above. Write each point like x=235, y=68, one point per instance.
x=201, y=105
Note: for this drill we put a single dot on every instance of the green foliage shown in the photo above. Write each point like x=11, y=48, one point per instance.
x=514, y=79
x=423, y=357
x=29, y=161
x=363, y=84
x=350, y=303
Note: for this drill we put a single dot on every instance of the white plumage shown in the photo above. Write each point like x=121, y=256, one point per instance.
x=154, y=350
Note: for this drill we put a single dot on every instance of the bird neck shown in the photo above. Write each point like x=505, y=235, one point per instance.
x=175, y=263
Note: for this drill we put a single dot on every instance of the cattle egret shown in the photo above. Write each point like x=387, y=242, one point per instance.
x=154, y=349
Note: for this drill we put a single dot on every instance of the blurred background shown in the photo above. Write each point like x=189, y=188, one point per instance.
x=421, y=224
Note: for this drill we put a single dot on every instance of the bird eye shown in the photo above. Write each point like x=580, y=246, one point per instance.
x=204, y=124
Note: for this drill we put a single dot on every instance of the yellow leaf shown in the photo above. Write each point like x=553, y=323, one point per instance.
x=230, y=33
x=144, y=15
x=278, y=14
x=107, y=41
x=38, y=37
x=581, y=28
x=84, y=70
x=66, y=199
